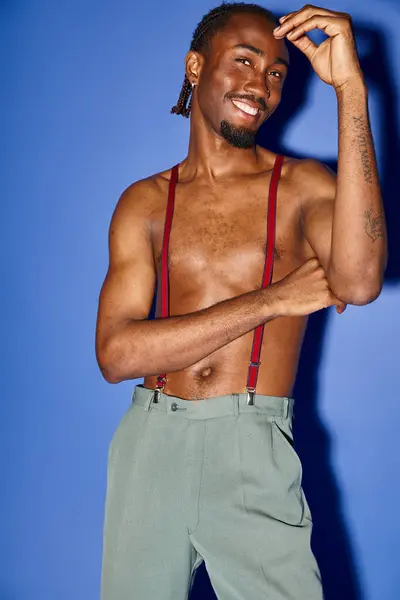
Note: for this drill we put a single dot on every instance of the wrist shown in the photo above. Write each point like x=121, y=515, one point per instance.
x=353, y=87
x=271, y=302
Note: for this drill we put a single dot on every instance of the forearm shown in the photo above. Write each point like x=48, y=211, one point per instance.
x=141, y=348
x=358, y=255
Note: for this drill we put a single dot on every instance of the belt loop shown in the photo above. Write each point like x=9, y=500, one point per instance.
x=235, y=400
x=286, y=407
x=291, y=408
x=147, y=404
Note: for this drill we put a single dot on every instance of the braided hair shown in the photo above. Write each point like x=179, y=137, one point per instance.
x=213, y=22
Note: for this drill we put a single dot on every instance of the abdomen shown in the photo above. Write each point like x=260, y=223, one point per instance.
x=225, y=371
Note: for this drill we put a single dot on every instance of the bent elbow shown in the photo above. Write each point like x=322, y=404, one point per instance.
x=359, y=295
x=109, y=374
x=107, y=368
x=359, y=287
x=113, y=364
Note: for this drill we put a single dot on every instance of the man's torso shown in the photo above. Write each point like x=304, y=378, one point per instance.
x=217, y=251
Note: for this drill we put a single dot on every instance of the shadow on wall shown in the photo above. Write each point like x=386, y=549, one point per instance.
x=331, y=543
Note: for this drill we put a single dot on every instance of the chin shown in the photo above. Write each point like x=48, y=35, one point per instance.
x=237, y=135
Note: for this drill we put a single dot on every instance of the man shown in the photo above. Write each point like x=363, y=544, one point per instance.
x=243, y=245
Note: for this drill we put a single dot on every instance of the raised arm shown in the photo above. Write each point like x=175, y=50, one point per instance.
x=129, y=346
x=344, y=221
x=343, y=216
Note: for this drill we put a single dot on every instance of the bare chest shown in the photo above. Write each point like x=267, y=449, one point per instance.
x=218, y=241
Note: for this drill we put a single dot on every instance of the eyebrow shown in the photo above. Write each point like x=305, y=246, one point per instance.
x=279, y=60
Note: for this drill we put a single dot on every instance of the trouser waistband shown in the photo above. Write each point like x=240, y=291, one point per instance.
x=217, y=406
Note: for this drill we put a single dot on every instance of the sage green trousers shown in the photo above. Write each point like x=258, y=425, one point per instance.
x=215, y=480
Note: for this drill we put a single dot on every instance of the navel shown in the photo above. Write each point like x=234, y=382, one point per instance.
x=206, y=372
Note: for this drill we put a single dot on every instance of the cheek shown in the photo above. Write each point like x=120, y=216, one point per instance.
x=223, y=81
x=224, y=78
x=275, y=94
x=232, y=78
x=212, y=96
x=273, y=104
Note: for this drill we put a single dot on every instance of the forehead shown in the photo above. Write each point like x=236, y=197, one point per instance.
x=246, y=28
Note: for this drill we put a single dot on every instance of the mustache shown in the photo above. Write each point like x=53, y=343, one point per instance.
x=260, y=101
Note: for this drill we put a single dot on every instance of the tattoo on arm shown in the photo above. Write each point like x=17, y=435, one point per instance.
x=364, y=146
x=374, y=226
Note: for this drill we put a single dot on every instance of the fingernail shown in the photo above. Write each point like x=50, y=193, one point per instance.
x=276, y=28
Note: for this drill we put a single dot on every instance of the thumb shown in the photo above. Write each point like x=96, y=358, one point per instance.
x=340, y=307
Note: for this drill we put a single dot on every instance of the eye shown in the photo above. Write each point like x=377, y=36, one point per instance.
x=244, y=61
x=276, y=74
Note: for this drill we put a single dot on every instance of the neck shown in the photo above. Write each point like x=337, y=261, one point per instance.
x=212, y=157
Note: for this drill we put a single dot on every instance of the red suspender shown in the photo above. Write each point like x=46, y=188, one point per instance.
x=266, y=280
x=165, y=245
x=162, y=379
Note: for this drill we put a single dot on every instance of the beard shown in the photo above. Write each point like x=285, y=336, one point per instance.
x=239, y=137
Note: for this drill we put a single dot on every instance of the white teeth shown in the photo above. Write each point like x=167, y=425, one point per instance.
x=245, y=108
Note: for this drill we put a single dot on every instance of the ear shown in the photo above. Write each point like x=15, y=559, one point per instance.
x=193, y=65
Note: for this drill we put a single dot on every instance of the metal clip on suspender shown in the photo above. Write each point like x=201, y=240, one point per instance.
x=251, y=391
x=266, y=280
x=161, y=381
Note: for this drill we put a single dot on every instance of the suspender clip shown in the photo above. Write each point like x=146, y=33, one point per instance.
x=250, y=396
x=161, y=381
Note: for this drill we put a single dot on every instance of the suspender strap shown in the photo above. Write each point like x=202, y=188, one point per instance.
x=161, y=379
x=266, y=280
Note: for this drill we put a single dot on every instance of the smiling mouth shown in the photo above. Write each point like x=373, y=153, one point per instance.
x=250, y=111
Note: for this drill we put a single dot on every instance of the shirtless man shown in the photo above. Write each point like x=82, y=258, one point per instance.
x=202, y=465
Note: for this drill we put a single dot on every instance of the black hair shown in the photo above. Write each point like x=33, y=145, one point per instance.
x=213, y=22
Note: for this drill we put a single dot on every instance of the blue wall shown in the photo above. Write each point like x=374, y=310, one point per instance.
x=88, y=90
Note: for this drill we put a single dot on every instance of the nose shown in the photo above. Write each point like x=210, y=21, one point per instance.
x=258, y=86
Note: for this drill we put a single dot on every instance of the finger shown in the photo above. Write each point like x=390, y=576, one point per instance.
x=313, y=262
x=330, y=25
x=307, y=46
x=298, y=16
x=295, y=20
x=285, y=17
x=281, y=29
x=340, y=306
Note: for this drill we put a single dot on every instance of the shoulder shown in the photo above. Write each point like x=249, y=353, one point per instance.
x=305, y=173
x=130, y=229
x=311, y=178
x=143, y=196
x=135, y=209
x=147, y=189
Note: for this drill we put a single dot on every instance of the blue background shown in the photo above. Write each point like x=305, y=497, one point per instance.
x=88, y=89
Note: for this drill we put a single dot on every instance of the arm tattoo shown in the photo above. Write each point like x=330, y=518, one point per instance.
x=364, y=146
x=374, y=227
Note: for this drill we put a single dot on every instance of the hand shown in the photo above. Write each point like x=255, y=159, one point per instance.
x=304, y=291
x=335, y=60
